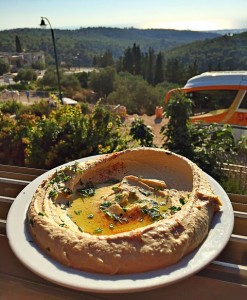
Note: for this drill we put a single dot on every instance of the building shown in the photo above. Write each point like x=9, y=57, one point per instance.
x=24, y=59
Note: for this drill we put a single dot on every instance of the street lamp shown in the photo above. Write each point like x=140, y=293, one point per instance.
x=43, y=24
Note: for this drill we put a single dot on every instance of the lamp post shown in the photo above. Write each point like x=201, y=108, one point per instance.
x=43, y=24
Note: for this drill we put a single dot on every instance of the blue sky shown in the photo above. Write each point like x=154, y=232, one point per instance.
x=175, y=14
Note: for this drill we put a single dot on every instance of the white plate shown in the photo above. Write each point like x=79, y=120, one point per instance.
x=38, y=262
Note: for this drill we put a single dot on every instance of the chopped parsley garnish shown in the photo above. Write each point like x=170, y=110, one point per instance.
x=98, y=230
x=41, y=213
x=119, y=218
x=119, y=197
x=67, y=190
x=115, y=188
x=104, y=205
x=80, y=229
x=153, y=212
x=77, y=212
x=53, y=193
x=87, y=191
x=74, y=168
x=182, y=201
x=57, y=183
x=68, y=204
x=124, y=209
x=174, y=208
x=60, y=176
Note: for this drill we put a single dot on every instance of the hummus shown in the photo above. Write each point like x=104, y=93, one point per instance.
x=127, y=212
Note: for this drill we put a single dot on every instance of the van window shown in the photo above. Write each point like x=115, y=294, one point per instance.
x=243, y=104
x=209, y=100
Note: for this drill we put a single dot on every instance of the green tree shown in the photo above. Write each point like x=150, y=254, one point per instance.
x=137, y=57
x=102, y=81
x=159, y=72
x=176, y=133
x=83, y=79
x=49, y=79
x=70, y=84
x=106, y=59
x=4, y=68
x=209, y=146
x=132, y=60
x=175, y=71
x=67, y=134
x=150, y=66
x=135, y=93
x=192, y=69
x=18, y=46
x=213, y=145
x=128, y=61
x=142, y=133
x=25, y=76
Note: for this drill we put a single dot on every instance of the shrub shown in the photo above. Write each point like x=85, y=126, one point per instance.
x=208, y=146
x=142, y=133
x=176, y=133
x=67, y=134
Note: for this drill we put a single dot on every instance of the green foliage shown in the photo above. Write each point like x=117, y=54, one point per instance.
x=14, y=137
x=175, y=71
x=159, y=72
x=62, y=135
x=4, y=68
x=136, y=94
x=233, y=184
x=14, y=107
x=226, y=52
x=104, y=60
x=142, y=133
x=38, y=109
x=213, y=145
x=68, y=134
x=148, y=65
x=25, y=75
x=177, y=132
x=70, y=83
x=208, y=146
x=83, y=79
x=18, y=46
x=79, y=47
x=49, y=80
x=11, y=107
x=102, y=82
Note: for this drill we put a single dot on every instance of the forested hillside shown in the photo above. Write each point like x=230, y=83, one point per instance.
x=78, y=47
x=227, y=52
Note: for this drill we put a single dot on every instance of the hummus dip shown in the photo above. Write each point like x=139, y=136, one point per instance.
x=127, y=212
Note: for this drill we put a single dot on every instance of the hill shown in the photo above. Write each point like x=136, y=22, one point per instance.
x=78, y=47
x=227, y=52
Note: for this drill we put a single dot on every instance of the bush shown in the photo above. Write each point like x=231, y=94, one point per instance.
x=142, y=133
x=177, y=133
x=208, y=146
x=67, y=134
x=11, y=107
